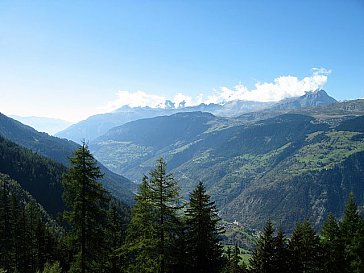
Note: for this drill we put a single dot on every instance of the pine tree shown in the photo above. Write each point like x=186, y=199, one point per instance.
x=87, y=202
x=141, y=242
x=205, y=251
x=305, y=249
x=164, y=194
x=153, y=231
x=280, y=261
x=7, y=250
x=235, y=265
x=352, y=233
x=114, y=235
x=262, y=260
x=332, y=246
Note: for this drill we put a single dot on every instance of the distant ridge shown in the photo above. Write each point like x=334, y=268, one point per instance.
x=98, y=125
x=43, y=124
x=310, y=99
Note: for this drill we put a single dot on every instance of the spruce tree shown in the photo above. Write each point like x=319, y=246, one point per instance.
x=86, y=199
x=234, y=263
x=280, y=259
x=165, y=199
x=305, y=249
x=352, y=234
x=262, y=260
x=7, y=250
x=205, y=251
x=140, y=247
x=332, y=246
x=153, y=231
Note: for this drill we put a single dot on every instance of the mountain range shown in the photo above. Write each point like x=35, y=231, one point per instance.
x=98, y=125
x=287, y=161
x=283, y=163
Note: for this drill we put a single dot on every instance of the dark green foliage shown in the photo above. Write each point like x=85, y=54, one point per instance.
x=333, y=246
x=115, y=236
x=36, y=174
x=203, y=244
x=153, y=230
x=141, y=240
x=305, y=249
x=281, y=253
x=234, y=263
x=352, y=235
x=87, y=201
x=27, y=237
x=263, y=260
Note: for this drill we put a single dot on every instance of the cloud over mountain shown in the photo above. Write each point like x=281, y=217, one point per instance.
x=280, y=88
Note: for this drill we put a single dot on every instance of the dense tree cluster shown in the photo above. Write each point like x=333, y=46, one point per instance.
x=167, y=236
x=164, y=234
x=87, y=239
x=339, y=248
x=27, y=242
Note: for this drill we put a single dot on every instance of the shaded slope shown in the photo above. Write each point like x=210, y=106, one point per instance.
x=38, y=175
x=60, y=150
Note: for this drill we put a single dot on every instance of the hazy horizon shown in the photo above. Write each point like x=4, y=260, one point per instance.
x=70, y=60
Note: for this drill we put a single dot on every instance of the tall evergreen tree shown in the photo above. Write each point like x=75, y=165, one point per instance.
x=205, y=251
x=262, y=260
x=234, y=263
x=280, y=259
x=332, y=246
x=352, y=233
x=305, y=249
x=87, y=200
x=141, y=241
x=153, y=230
x=164, y=194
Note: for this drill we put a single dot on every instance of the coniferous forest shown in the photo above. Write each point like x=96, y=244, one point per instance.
x=162, y=233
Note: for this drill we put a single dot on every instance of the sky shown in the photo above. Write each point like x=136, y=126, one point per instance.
x=72, y=59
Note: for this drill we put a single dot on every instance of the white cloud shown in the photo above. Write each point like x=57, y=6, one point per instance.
x=282, y=87
x=180, y=98
x=134, y=99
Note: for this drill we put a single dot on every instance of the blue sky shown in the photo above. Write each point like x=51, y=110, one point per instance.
x=72, y=59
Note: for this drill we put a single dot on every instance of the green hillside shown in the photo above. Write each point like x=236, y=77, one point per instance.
x=287, y=166
x=60, y=150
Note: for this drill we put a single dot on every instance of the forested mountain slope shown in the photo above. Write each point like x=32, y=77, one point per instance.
x=36, y=174
x=22, y=196
x=60, y=150
x=287, y=167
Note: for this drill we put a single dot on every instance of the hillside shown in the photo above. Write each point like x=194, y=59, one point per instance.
x=60, y=150
x=283, y=165
x=43, y=124
x=22, y=196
